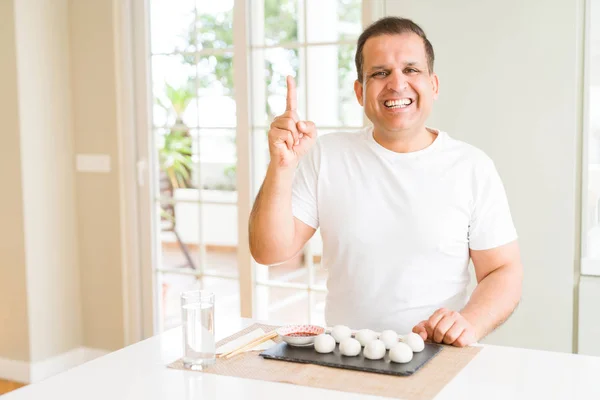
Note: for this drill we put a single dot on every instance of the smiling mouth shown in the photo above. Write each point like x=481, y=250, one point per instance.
x=401, y=103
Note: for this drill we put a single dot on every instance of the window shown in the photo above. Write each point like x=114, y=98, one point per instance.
x=194, y=131
x=314, y=41
x=196, y=53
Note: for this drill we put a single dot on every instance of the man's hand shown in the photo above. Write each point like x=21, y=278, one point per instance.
x=449, y=327
x=290, y=138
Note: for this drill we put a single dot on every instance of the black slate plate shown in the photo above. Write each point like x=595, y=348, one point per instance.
x=308, y=355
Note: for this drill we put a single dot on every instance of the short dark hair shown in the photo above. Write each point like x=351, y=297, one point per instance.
x=391, y=26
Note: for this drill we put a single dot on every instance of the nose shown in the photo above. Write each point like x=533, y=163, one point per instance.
x=397, y=81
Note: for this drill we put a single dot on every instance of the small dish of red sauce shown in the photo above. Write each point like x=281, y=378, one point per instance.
x=300, y=335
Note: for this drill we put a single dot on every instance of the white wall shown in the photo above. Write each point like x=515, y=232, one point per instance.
x=93, y=57
x=14, y=315
x=44, y=98
x=510, y=85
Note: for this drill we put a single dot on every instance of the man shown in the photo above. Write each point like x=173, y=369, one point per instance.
x=402, y=207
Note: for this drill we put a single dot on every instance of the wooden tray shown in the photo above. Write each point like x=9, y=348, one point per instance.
x=308, y=355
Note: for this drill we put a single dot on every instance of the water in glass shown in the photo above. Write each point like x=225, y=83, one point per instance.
x=198, y=332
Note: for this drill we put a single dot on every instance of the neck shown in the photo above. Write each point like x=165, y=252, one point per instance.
x=404, y=142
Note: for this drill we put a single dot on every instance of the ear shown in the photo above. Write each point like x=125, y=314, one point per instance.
x=358, y=90
x=435, y=82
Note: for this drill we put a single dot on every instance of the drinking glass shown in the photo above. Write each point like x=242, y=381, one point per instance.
x=198, y=317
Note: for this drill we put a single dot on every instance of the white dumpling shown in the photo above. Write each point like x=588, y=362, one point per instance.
x=389, y=338
x=324, y=343
x=415, y=341
x=350, y=347
x=365, y=336
x=340, y=332
x=401, y=353
x=374, y=350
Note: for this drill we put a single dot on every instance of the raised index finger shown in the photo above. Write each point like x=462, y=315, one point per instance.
x=291, y=94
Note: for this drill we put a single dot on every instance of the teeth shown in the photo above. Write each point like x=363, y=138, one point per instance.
x=398, y=103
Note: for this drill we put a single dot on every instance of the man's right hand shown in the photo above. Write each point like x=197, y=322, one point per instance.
x=290, y=138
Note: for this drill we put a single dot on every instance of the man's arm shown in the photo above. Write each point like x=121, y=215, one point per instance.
x=499, y=273
x=275, y=235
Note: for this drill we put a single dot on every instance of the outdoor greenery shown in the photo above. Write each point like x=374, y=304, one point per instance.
x=175, y=154
x=215, y=31
x=175, y=158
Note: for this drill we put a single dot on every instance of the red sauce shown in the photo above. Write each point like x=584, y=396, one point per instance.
x=301, y=334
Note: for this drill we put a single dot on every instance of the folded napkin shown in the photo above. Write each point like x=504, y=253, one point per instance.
x=247, y=338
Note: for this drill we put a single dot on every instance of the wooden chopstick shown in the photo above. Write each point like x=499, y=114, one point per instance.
x=253, y=343
x=268, y=336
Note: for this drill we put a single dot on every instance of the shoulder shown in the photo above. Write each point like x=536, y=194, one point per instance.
x=466, y=152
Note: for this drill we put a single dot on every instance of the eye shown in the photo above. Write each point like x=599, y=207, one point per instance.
x=380, y=74
x=411, y=70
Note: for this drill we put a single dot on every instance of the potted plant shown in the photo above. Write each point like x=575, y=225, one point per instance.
x=175, y=161
x=175, y=154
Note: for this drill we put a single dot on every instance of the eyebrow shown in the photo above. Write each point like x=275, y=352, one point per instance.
x=378, y=67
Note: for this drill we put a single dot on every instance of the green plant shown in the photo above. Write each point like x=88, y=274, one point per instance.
x=175, y=155
x=175, y=158
x=216, y=31
x=179, y=98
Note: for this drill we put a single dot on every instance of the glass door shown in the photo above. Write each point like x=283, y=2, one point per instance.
x=315, y=42
x=194, y=155
x=216, y=80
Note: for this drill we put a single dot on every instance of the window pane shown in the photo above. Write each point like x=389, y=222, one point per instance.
x=179, y=245
x=269, y=97
x=286, y=306
x=333, y=20
x=217, y=146
x=319, y=272
x=188, y=228
x=330, y=78
x=173, y=86
x=212, y=225
x=317, y=310
x=214, y=24
x=170, y=287
x=281, y=22
x=227, y=298
x=349, y=19
x=222, y=260
x=220, y=218
x=172, y=254
x=215, y=105
x=172, y=25
x=175, y=161
x=260, y=158
x=279, y=63
x=292, y=271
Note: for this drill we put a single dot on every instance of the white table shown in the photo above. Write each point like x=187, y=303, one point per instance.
x=139, y=372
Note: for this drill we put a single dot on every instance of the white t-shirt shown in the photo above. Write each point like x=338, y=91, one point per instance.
x=397, y=227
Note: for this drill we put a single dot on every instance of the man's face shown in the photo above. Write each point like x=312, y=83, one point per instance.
x=397, y=91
